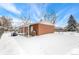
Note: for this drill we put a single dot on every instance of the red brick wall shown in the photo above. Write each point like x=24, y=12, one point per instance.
x=35, y=27
x=43, y=29
x=23, y=30
x=39, y=28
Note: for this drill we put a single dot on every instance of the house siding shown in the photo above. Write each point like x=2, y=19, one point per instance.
x=23, y=30
x=43, y=29
x=38, y=29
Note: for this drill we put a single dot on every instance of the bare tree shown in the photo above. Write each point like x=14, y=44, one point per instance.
x=26, y=22
x=5, y=22
x=49, y=17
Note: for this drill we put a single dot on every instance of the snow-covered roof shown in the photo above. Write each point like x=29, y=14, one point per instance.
x=47, y=23
x=43, y=22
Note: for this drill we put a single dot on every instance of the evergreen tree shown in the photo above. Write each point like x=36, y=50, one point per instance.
x=72, y=21
x=71, y=24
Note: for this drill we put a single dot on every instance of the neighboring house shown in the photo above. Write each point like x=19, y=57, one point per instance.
x=77, y=27
x=59, y=29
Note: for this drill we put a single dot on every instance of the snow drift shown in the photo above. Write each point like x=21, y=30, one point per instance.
x=52, y=43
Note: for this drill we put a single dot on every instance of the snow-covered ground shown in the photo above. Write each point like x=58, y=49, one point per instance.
x=53, y=43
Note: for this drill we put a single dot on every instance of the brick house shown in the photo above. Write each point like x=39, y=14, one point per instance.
x=38, y=28
x=23, y=30
x=42, y=28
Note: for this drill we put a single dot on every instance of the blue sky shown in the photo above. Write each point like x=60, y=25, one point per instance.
x=36, y=11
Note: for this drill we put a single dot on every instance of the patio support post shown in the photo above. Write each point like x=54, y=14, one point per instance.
x=28, y=30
